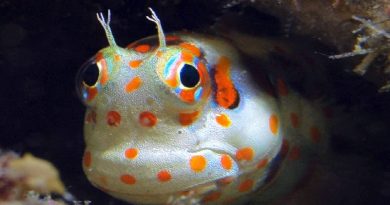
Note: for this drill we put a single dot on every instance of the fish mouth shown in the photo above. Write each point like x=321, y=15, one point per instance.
x=186, y=181
x=194, y=193
x=216, y=147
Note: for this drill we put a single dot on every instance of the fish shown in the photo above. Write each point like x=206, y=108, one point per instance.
x=178, y=119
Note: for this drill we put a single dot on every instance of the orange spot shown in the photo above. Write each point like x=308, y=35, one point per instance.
x=99, y=56
x=274, y=124
x=147, y=119
x=226, y=162
x=223, y=120
x=91, y=117
x=87, y=159
x=131, y=153
x=226, y=180
x=188, y=118
x=185, y=193
x=282, y=88
x=246, y=185
x=172, y=81
x=187, y=95
x=164, y=176
x=113, y=118
x=295, y=153
x=315, y=134
x=198, y=163
x=159, y=53
x=143, y=48
x=284, y=149
x=133, y=85
x=193, y=49
x=92, y=92
x=135, y=64
x=187, y=57
x=294, y=120
x=172, y=38
x=103, y=181
x=262, y=163
x=117, y=58
x=104, y=72
x=128, y=179
x=212, y=197
x=246, y=153
x=226, y=94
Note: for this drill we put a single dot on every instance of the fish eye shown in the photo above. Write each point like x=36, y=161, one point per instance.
x=189, y=76
x=90, y=74
x=87, y=77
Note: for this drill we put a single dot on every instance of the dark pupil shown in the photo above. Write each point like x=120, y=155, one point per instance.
x=189, y=76
x=91, y=74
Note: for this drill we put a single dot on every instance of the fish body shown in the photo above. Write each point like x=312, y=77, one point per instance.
x=179, y=117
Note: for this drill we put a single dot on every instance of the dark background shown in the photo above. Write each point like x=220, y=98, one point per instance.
x=43, y=44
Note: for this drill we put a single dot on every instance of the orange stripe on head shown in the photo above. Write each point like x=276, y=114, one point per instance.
x=282, y=87
x=226, y=94
x=188, y=118
x=193, y=49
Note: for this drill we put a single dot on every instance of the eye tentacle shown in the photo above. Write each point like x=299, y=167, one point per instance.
x=106, y=26
x=156, y=20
